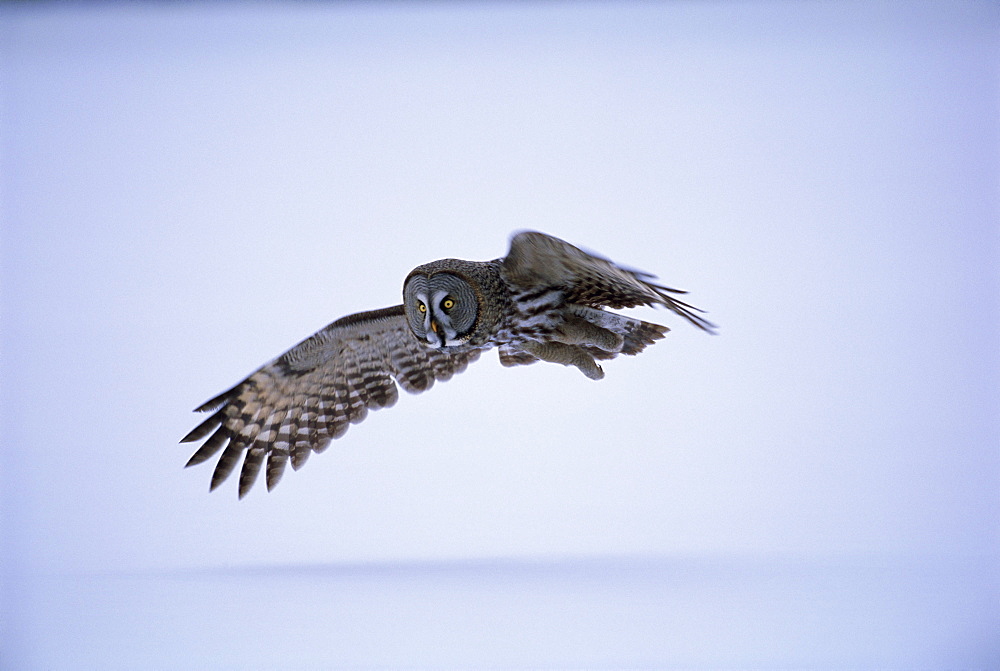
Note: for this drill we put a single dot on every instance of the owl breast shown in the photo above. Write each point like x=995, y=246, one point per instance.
x=534, y=316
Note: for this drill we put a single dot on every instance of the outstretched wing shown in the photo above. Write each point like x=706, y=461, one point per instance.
x=298, y=402
x=539, y=260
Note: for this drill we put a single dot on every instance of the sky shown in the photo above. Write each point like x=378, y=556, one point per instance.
x=188, y=190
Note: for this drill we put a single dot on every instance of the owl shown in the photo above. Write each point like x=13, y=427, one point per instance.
x=544, y=301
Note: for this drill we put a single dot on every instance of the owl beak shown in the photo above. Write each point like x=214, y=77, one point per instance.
x=436, y=340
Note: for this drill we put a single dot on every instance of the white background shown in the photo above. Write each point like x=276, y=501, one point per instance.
x=188, y=190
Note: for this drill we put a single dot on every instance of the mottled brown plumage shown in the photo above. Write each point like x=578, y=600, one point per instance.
x=544, y=301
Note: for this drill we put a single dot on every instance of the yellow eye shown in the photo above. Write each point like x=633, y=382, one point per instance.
x=421, y=307
x=447, y=304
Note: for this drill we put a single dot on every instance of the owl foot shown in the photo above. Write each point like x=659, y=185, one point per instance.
x=579, y=331
x=567, y=355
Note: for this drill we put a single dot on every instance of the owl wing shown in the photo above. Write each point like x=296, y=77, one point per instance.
x=537, y=260
x=298, y=402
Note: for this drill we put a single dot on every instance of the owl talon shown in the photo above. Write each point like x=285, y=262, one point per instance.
x=593, y=371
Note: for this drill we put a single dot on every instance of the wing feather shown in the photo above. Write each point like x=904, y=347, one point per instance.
x=276, y=461
x=540, y=260
x=300, y=401
x=210, y=447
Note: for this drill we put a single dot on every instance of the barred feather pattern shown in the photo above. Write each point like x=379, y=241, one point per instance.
x=298, y=403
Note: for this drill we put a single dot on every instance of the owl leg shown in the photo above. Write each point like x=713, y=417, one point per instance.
x=567, y=355
x=578, y=331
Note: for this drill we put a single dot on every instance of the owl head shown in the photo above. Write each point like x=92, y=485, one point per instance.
x=445, y=304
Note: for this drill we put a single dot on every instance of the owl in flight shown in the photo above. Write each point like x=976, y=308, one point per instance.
x=544, y=301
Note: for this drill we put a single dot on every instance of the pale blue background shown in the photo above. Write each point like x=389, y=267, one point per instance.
x=188, y=190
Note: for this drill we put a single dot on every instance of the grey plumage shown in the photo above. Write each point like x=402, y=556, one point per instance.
x=544, y=301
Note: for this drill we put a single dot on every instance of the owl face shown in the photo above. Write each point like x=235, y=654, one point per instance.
x=441, y=308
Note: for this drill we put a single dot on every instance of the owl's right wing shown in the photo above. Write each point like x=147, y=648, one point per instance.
x=300, y=401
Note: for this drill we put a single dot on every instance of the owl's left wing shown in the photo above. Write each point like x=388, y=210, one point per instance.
x=537, y=260
x=300, y=401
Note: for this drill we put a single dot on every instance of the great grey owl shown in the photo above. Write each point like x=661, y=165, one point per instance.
x=544, y=301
